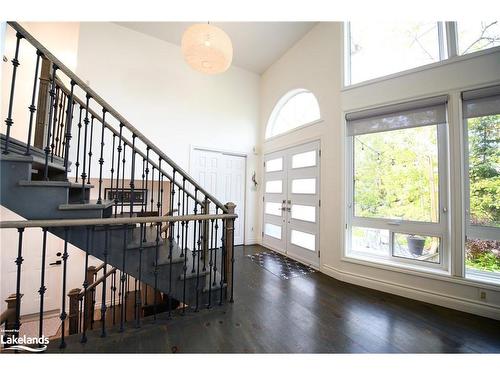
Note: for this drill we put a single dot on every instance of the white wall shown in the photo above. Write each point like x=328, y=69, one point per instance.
x=315, y=63
x=148, y=82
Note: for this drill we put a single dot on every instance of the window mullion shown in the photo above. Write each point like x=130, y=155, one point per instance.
x=451, y=39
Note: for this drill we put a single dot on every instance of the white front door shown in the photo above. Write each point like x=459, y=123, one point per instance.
x=223, y=175
x=292, y=201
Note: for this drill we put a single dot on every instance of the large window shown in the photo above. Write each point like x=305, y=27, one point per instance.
x=296, y=108
x=379, y=48
x=375, y=49
x=397, y=191
x=482, y=135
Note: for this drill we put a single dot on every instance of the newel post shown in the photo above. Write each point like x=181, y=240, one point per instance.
x=9, y=318
x=74, y=299
x=229, y=246
x=88, y=302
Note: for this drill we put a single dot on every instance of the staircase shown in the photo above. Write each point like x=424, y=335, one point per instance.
x=83, y=173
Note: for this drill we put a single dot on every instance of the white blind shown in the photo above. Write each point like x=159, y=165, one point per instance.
x=423, y=112
x=481, y=102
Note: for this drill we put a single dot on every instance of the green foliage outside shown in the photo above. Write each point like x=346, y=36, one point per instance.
x=484, y=175
x=396, y=177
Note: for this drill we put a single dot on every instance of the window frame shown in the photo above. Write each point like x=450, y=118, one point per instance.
x=481, y=232
x=282, y=101
x=443, y=47
x=440, y=229
x=449, y=34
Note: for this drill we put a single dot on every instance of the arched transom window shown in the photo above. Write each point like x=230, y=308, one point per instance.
x=296, y=108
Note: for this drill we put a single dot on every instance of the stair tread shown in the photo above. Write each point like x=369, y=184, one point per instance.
x=53, y=184
x=91, y=205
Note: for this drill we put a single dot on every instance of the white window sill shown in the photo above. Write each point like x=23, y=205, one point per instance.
x=422, y=271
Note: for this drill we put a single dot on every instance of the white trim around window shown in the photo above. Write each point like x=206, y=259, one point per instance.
x=439, y=229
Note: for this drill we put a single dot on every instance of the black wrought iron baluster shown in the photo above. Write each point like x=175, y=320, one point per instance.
x=195, y=210
x=63, y=315
x=152, y=189
x=104, y=280
x=232, y=261
x=216, y=247
x=84, y=156
x=159, y=188
x=178, y=223
x=101, y=159
x=122, y=199
x=222, y=261
x=92, y=308
x=77, y=163
x=92, y=118
x=155, y=271
x=86, y=284
x=210, y=263
x=142, y=185
x=170, y=257
x=19, y=262
x=172, y=195
x=132, y=177
x=204, y=236
x=32, y=107
x=54, y=123
x=184, y=268
x=138, y=292
x=127, y=283
x=123, y=278
x=69, y=123
x=42, y=289
x=8, y=121
x=47, y=149
x=200, y=223
x=147, y=175
x=113, y=297
x=183, y=213
x=118, y=161
x=112, y=170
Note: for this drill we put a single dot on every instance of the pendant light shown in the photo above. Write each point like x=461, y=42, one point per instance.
x=207, y=48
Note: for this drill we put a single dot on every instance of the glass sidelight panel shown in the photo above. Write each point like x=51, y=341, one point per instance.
x=275, y=186
x=304, y=186
x=306, y=213
x=273, y=208
x=424, y=248
x=302, y=239
x=305, y=159
x=274, y=165
x=273, y=230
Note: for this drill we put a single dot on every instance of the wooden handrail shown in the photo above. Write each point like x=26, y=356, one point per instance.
x=98, y=281
x=109, y=221
x=80, y=83
x=98, y=268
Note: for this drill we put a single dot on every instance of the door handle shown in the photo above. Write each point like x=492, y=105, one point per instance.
x=56, y=263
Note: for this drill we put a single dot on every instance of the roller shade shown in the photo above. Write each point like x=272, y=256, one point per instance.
x=481, y=102
x=423, y=112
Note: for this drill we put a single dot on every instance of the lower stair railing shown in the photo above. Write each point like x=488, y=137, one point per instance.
x=193, y=272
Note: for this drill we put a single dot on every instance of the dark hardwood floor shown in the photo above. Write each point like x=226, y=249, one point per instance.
x=308, y=314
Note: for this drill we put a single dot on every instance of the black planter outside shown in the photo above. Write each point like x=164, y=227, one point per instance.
x=416, y=244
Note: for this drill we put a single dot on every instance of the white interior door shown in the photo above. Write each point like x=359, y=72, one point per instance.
x=292, y=201
x=223, y=175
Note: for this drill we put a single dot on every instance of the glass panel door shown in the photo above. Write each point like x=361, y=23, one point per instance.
x=291, y=202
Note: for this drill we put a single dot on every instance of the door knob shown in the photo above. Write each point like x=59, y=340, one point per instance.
x=56, y=263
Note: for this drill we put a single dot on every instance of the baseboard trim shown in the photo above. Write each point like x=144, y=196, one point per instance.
x=419, y=294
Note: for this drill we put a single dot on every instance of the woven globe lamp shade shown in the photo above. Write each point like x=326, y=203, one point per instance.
x=207, y=48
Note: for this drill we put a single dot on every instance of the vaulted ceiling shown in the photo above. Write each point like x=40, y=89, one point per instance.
x=256, y=45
